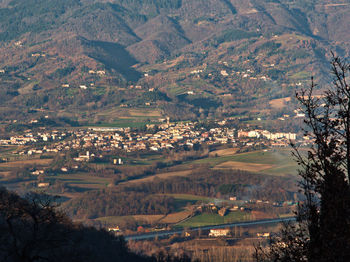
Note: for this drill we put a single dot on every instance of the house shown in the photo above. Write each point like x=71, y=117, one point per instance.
x=114, y=229
x=264, y=235
x=43, y=185
x=221, y=232
x=234, y=208
x=154, y=148
x=37, y=172
x=101, y=72
x=223, y=73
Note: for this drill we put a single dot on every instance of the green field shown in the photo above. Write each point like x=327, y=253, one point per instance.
x=176, y=90
x=301, y=75
x=273, y=157
x=84, y=181
x=206, y=219
x=183, y=200
x=281, y=161
x=144, y=159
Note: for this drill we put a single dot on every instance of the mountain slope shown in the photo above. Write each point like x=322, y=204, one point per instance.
x=234, y=55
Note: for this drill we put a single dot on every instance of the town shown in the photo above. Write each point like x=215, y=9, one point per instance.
x=154, y=138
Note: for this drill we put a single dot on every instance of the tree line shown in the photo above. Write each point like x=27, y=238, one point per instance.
x=112, y=202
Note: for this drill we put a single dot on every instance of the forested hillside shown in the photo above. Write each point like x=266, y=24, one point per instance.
x=210, y=58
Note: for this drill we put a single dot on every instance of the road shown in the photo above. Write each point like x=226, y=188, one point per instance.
x=239, y=224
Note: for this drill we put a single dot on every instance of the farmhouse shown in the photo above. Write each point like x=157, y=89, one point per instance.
x=221, y=232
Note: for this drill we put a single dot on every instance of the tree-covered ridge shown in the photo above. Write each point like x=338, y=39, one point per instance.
x=32, y=16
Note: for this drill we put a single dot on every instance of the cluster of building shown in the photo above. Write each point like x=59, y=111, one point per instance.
x=267, y=134
x=30, y=138
x=157, y=138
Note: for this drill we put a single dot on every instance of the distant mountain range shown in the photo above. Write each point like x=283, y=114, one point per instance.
x=182, y=58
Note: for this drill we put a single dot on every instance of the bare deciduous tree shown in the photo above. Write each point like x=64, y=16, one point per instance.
x=322, y=231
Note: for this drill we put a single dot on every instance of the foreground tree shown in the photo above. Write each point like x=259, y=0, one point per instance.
x=322, y=231
x=32, y=229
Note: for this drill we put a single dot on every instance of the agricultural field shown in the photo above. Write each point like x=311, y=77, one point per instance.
x=22, y=163
x=83, y=181
x=7, y=152
x=183, y=213
x=116, y=220
x=144, y=112
x=223, y=152
x=272, y=161
x=136, y=122
x=182, y=217
x=127, y=117
x=280, y=102
x=207, y=219
x=281, y=161
x=251, y=167
x=160, y=176
x=174, y=218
